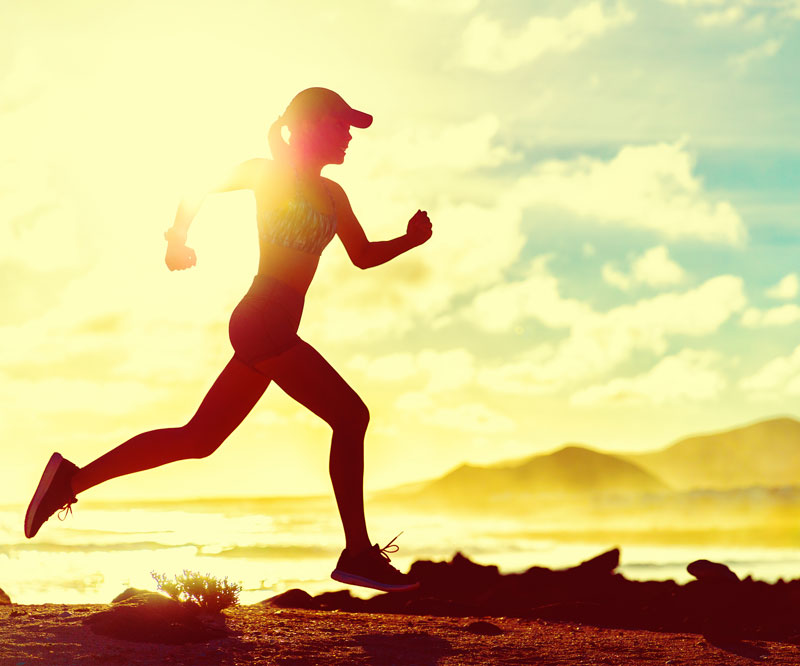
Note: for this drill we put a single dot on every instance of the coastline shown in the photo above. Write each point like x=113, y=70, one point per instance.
x=463, y=613
x=56, y=635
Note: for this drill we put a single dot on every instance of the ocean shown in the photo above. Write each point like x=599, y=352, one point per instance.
x=271, y=545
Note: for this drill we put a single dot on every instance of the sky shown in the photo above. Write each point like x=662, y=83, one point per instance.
x=614, y=189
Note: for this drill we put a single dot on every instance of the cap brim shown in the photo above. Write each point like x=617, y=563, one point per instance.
x=359, y=119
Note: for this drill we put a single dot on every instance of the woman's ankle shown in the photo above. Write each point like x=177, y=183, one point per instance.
x=74, y=483
x=358, y=547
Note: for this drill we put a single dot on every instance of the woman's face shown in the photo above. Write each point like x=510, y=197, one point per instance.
x=327, y=139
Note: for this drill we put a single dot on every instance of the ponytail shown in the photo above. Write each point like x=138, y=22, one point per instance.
x=278, y=147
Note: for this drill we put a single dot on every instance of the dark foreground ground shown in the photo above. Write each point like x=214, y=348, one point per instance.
x=258, y=635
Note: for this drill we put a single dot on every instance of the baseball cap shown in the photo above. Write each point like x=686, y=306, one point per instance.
x=314, y=103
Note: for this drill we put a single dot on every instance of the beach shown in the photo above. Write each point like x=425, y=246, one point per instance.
x=272, y=545
x=466, y=612
x=56, y=635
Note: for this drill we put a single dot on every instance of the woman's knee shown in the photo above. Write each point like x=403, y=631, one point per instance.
x=354, y=418
x=199, y=442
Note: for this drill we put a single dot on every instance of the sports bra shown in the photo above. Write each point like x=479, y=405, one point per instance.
x=296, y=224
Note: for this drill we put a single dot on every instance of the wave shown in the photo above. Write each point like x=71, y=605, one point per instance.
x=270, y=552
x=49, y=547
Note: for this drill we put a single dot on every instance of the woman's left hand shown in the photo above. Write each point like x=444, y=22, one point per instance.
x=419, y=228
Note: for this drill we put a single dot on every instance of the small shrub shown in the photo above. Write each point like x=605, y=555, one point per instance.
x=209, y=593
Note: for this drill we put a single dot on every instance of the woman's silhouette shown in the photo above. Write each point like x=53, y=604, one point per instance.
x=299, y=212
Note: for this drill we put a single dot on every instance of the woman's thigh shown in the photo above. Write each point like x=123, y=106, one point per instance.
x=303, y=373
x=234, y=393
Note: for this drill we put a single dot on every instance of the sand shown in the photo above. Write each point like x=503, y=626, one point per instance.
x=54, y=634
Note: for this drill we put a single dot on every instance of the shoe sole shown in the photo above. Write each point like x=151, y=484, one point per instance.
x=352, y=579
x=41, y=490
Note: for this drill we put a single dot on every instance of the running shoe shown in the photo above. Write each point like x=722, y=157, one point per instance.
x=53, y=493
x=372, y=568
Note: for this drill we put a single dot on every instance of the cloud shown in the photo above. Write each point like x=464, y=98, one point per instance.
x=393, y=367
x=487, y=45
x=688, y=375
x=696, y=3
x=470, y=417
x=455, y=147
x=615, y=277
x=603, y=341
x=780, y=316
x=537, y=296
x=414, y=401
x=792, y=9
x=57, y=395
x=786, y=289
x=473, y=417
x=499, y=308
x=37, y=229
x=596, y=341
x=444, y=370
x=780, y=376
x=654, y=268
x=766, y=50
x=731, y=10
x=435, y=373
x=723, y=17
x=650, y=187
x=526, y=375
x=439, y=7
x=756, y=23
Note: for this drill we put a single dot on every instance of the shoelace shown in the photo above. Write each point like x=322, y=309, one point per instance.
x=66, y=510
x=390, y=547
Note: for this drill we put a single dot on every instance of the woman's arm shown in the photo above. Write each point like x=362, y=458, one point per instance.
x=244, y=176
x=365, y=253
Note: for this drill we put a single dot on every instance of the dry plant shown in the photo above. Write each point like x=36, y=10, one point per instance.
x=204, y=590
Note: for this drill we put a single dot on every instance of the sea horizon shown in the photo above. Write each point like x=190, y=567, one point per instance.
x=273, y=544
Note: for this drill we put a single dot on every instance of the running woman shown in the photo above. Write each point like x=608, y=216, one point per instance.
x=298, y=213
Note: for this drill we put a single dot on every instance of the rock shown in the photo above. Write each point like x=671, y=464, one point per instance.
x=600, y=565
x=711, y=571
x=149, y=617
x=127, y=594
x=341, y=600
x=458, y=580
x=389, y=602
x=589, y=593
x=5, y=600
x=483, y=628
x=294, y=598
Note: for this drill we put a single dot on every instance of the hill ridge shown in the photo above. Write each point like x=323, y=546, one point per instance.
x=762, y=453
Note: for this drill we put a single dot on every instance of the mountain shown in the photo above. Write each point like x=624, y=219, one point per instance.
x=766, y=453
x=571, y=471
x=750, y=466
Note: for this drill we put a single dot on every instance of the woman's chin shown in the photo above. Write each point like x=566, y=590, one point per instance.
x=334, y=157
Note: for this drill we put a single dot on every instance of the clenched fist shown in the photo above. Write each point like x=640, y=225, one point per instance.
x=420, y=228
x=179, y=256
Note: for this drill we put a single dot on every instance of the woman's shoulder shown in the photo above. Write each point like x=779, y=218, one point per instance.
x=273, y=181
x=334, y=188
x=263, y=171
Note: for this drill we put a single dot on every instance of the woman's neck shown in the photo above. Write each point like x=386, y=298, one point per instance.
x=306, y=166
